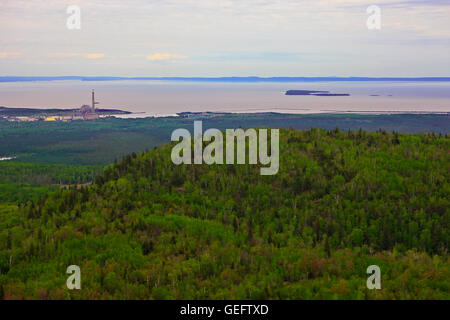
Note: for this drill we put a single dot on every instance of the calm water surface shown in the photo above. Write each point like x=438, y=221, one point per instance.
x=160, y=98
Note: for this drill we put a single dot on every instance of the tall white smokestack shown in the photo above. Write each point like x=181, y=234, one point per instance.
x=93, y=101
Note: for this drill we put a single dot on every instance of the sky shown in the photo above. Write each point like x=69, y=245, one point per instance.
x=213, y=38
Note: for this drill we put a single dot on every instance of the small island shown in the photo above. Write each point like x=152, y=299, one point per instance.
x=317, y=93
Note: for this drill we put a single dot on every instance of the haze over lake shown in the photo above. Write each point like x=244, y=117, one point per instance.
x=159, y=98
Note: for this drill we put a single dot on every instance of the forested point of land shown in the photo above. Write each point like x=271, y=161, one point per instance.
x=148, y=229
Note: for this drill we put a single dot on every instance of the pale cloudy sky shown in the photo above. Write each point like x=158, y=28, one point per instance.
x=225, y=38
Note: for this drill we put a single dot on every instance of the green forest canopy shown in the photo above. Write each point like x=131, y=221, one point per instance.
x=147, y=229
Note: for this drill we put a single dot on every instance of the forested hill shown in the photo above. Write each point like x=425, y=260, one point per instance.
x=342, y=201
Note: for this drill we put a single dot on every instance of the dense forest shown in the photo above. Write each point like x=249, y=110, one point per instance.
x=20, y=182
x=148, y=229
x=99, y=142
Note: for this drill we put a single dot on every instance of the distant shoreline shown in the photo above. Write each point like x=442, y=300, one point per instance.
x=222, y=79
x=7, y=158
x=10, y=113
x=36, y=112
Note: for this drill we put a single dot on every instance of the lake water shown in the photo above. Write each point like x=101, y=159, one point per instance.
x=159, y=98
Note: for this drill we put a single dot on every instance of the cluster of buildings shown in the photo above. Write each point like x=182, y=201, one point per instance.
x=86, y=112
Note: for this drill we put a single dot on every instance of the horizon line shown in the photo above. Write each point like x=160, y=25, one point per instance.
x=219, y=79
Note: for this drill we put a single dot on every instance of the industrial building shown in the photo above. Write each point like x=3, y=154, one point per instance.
x=87, y=112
